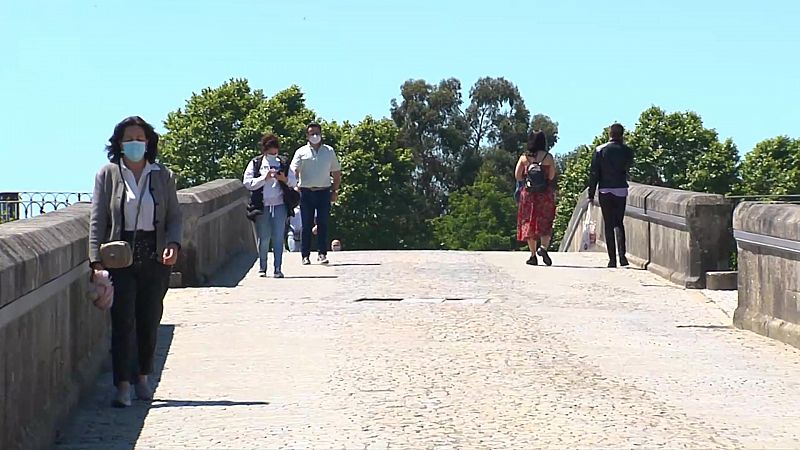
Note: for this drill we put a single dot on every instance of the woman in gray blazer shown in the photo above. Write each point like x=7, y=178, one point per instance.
x=135, y=194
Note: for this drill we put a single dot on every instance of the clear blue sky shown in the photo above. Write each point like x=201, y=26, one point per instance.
x=71, y=69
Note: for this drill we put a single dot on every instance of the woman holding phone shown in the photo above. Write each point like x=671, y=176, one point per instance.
x=262, y=178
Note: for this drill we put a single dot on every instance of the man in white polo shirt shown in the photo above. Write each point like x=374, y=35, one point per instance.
x=319, y=174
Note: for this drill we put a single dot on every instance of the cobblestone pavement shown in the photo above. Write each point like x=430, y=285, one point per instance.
x=533, y=357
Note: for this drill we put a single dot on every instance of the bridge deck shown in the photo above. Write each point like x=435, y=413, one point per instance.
x=566, y=356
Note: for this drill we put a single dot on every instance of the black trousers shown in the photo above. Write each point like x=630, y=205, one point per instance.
x=613, y=208
x=319, y=203
x=139, y=292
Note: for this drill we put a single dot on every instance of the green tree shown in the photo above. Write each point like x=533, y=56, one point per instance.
x=449, y=143
x=715, y=170
x=217, y=132
x=772, y=167
x=479, y=218
x=497, y=116
x=285, y=114
x=431, y=124
x=202, y=138
x=500, y=164
x=377, y=206
x=675, y=150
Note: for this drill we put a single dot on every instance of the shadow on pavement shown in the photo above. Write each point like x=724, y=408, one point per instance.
x=95, y=424
x=311, y=276
x=353, y=264
x=158, y=403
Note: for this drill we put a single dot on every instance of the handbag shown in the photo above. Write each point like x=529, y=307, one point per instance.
x=119, y=254
x=589, y=235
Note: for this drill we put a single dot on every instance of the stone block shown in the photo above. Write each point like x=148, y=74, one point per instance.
x=768, y=237
x=722, y=281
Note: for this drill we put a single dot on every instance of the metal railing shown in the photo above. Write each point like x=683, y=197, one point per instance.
x=24, y=205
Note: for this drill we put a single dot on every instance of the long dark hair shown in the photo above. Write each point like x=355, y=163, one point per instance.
x=114, y=147
x=537, y=142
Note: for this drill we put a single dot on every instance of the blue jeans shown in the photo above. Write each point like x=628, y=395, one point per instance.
x=311, y=202
x=271, y=226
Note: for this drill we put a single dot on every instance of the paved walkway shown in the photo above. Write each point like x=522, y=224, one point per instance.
x=558, y=357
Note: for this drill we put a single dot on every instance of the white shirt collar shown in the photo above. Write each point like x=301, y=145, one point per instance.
x=147, y=166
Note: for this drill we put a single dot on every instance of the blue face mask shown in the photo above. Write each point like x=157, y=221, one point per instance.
x=134, y=150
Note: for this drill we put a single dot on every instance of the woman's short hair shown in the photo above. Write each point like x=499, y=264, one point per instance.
x=537, y=141
x=114, y=147
x=269, y=141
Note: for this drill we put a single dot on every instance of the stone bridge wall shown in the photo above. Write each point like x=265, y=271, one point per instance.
x=768, y=237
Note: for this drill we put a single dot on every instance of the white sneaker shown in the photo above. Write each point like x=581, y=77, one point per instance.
x=122, y=398
x=323, y=259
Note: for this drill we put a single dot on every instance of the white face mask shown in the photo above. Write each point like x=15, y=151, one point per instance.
x=273, y=159
x=315, y=139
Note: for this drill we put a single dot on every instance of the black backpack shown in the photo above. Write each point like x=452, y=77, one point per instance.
x=536, y=177
x=291, y=198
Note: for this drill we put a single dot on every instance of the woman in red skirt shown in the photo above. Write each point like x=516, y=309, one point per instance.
x=536, y=169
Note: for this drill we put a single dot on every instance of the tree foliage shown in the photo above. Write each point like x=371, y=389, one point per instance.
x=448, y=142
x=217, y=131
x=772, y=167
x=675, y=150
x=202, y=139
x=431, y=124
x=480, y=218
x=377, y=204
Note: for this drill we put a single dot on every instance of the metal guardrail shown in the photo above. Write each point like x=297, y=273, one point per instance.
x=24, y=205
x=763, y=240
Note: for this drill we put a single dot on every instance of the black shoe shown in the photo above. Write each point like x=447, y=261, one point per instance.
x=306, y=261
x=612, y=264
x=545, y=256
x=623, y=261
x=532, y=261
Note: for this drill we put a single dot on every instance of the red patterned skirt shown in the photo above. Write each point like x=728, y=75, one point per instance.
x=536, y=213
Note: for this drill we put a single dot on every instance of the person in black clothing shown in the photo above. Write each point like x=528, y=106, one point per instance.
x=609, y=174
